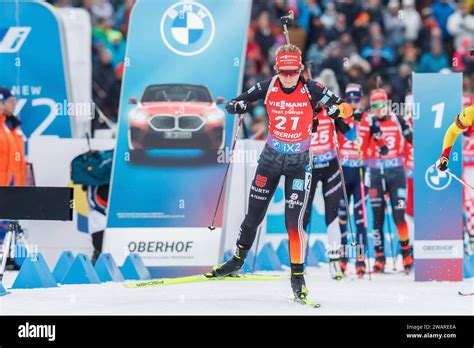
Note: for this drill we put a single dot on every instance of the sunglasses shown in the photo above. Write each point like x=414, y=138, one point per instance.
x=289, y=73
x=379, y=104
x=354, y=100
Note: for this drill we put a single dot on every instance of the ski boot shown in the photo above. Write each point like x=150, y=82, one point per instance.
x=231, y=267
x=379, y=266
x=344, y=260
x=407, y=255
x=335, y=265
x=360, y=266
x=298, y=284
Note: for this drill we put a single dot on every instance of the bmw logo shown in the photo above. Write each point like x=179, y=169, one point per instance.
x=437, y=180
x=187, y=28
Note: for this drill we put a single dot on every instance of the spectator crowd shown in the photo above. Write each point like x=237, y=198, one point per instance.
x=346, y=41
x=356, y=41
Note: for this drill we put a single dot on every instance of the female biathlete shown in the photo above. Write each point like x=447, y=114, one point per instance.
x=387, y=175
x=326, y=171
x=289, y=100
x=354, y=156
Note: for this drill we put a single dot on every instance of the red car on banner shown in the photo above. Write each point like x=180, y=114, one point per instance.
x=176, y=116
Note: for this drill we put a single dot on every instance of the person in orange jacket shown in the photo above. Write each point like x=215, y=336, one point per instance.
x=6, y=143
x=16, y=145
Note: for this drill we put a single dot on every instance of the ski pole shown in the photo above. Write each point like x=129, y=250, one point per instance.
x=211, y=226
x=309, y=231
x=6, y=246
x=362, y=194
x=384, y=188
x=285, y=21
x=459, y=179
x=343, y=181
x=256, y=249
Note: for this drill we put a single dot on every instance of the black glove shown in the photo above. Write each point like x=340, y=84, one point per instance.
x=333, y=111
x=318, y=108
x=315, y=124
x=357, y=114
x=13, y=121
x=383, y=150
x=237, y=107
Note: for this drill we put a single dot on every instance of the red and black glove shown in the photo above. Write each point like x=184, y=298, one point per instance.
x=442, y=163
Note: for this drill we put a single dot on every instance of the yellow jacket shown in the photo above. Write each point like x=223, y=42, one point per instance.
x=462, y=122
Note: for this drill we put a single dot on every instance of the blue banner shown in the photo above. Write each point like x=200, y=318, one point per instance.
x=32, y=66
x=183, y=59
x=438, y=196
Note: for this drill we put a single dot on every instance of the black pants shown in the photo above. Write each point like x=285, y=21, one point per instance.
x=297, y=171
x=353, y=187
x=330, y=178
x=395, y=182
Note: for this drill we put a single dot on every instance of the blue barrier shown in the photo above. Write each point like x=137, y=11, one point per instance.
x=283, y=252
x=107, y=269
x=312, y=258
x=62, y=266
x=320, y=251
x=248, y=264
x=227, y=255
x=134, y=268
x=2, y=290
x=34, y=273
x=267, y=259
x=81, y=272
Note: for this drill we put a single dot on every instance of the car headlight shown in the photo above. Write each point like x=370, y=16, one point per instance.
x=139, y=116
x=215, y=116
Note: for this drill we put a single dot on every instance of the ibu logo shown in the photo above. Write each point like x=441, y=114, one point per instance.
x=187, y=28
x=298, y=185
x=11, y=39
x=437, y=180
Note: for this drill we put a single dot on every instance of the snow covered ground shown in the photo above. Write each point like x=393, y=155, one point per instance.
x=385, y=294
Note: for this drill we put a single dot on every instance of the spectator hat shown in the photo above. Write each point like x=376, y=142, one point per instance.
x=393, y=4
x=354, y=90
x=5, y=94
x=378, y=94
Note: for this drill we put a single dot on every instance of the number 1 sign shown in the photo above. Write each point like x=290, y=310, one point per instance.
x=438, y=199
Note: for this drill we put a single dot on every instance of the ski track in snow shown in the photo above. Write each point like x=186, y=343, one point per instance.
x=386, y=294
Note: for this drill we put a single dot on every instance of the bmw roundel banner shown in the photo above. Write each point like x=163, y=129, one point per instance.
x=32, y=65
x=438, y=247
x=187, y=29
x=183, y=59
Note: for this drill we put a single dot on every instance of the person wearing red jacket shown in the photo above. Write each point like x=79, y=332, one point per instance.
x=387, y=176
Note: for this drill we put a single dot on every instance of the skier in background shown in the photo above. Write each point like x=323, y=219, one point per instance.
x=463, y=121
x=290, y=101
x=326, y=171
x=354, y=155
x=396, y=133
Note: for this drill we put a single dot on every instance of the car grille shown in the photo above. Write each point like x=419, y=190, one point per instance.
x=162, y=122
x=176, y=123
x=190, y=122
